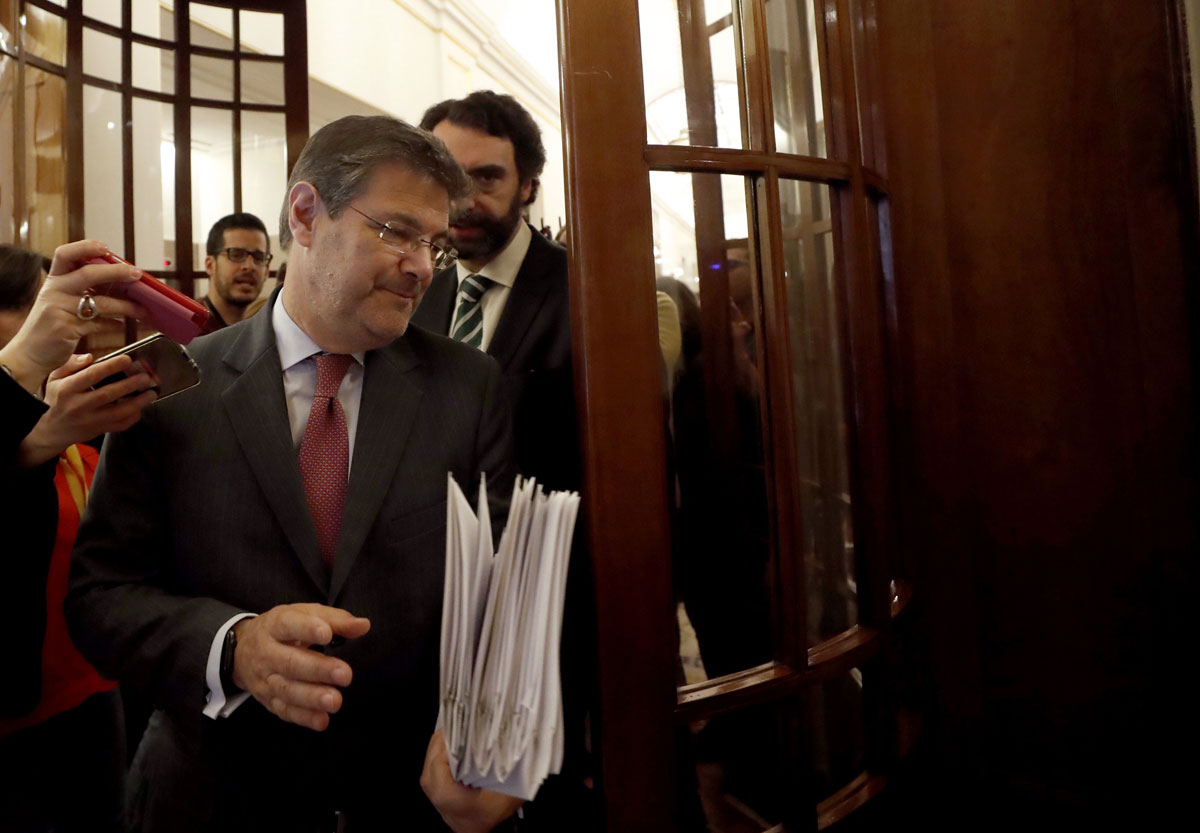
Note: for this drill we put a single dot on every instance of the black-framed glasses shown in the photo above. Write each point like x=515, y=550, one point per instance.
x=238, y=255
x=405, y=241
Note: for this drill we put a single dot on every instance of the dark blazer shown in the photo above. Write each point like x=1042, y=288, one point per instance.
x=30, y=519
x=532, y=343
x=198, y=513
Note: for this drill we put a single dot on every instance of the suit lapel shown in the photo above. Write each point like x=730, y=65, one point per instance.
x=437, y=307
x=256, y=407
x=385, y=420
x=523, y=304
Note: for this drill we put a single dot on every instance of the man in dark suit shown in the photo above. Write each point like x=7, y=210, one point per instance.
x=264, y=555
x=508, y=294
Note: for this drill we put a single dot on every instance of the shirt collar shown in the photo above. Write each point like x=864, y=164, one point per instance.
x=293, y=343
x=503, y=268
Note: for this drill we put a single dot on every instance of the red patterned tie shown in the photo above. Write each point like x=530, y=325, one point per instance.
x=325, y=453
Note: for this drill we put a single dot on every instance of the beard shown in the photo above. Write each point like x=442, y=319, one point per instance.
x=494, y=232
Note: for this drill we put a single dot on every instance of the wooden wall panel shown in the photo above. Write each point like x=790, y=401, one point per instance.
x=1045, y=245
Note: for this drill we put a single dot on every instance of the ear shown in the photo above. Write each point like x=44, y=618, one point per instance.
x=527, y=190
x=304, y=206
x=210, y=264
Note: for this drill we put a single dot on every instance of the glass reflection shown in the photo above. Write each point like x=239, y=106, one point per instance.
x=728, y=777
x=264, y=167
x=839, y=732
x=262, y=82
x=45, y=155
x=101, y=55
x=153, y=184
x=44, y=34
x=103, y=188
x=8, y=208
x=795, y=78
x=689, y=69
x=261, y=32
x=212, y=173
x=712, y=393
x=151, y=70
x=821, y=436
x=212, y=78
x=106, y=11
x=151, y=18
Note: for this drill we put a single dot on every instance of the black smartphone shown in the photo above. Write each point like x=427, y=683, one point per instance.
x=167, y=363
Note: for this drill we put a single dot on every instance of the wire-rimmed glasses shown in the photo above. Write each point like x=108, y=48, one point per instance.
x=405, y=241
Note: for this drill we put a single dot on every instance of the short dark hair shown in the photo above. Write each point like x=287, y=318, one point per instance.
x=497, y=115
x=341, y=156
x=242, y=219
x=20, y=276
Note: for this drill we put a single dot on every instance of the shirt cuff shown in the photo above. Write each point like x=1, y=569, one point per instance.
x=218, y=704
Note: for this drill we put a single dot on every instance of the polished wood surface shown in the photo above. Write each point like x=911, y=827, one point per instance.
x=618, y=381
x=1044, y=226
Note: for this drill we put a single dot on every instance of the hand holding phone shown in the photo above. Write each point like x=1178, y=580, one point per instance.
x=167, y=364
x=175, y=314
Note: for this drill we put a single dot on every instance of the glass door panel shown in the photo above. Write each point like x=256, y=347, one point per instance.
x=712, y=390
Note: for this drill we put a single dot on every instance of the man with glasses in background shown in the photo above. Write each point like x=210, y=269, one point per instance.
x=238, y=258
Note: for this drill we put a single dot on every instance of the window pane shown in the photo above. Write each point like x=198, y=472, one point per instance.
x=212, y=78
x=101, y=55
x=708, y=307
x=264, y=168
x=103, y=204
x=106, y=11
x=45, y=35
x=821, y=433
x=689, y=68
x=8, y=208
x=839, y=732
x=212, y=174
x=45, y=154
x=261, y=32
x=150, y=18
x=153, y=172
x=730, y=772
x=262, y=82
x=147, y=71
x=210, y=26
x=795, y=77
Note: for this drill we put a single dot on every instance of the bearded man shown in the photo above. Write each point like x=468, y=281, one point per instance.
x=508, y=295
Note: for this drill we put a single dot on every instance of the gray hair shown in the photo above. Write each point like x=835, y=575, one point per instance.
x=340, y=157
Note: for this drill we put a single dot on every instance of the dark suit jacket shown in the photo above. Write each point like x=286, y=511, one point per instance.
x=532, y=343
x=198, y=513
x=30, y=517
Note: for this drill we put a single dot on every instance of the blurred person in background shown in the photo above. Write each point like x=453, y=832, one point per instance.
x=61, y=735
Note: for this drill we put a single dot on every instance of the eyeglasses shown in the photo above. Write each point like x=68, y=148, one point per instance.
x=405, y=241
x=239, y=255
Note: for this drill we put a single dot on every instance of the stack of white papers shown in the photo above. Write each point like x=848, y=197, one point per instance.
x=501, y=697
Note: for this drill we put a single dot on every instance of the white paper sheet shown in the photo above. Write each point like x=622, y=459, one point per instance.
x=501, y=695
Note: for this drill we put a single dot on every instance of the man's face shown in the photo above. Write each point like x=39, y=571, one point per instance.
x=355, y=293
x=237, y=283
x=483, y=223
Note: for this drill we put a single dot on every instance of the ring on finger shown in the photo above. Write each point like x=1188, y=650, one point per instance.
x=86, y=309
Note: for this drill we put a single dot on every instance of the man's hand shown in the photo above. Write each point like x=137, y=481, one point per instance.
x=464, y=809
x=274, y=663
x=78, y=413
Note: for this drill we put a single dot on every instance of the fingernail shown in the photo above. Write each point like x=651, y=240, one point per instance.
x=341, y=676
x=327, y=701
x=135, y=274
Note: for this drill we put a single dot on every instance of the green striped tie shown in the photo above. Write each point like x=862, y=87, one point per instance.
x=468, y=327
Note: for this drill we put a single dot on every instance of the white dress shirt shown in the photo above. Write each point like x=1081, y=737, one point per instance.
x=502, y=270
x=296, y=351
